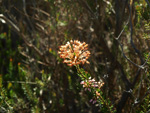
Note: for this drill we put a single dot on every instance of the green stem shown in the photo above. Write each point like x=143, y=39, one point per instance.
x=79, y=71
x=105, y=103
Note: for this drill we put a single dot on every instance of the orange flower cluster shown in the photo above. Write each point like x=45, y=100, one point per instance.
x=74, y=53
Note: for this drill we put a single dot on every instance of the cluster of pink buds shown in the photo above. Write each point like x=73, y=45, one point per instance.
x=74, y=53
x=93, y=101
x=91, y=83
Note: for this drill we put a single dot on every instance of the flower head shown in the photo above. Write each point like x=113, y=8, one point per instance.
x=91, y=83
x=74, y=53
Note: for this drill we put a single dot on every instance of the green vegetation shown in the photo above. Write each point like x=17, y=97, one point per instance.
x=35, y=79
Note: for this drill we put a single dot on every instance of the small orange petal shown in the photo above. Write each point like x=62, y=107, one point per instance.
x=11, y=59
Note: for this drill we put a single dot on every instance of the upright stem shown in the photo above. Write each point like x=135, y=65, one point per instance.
x=79, y=71
x=105, y=103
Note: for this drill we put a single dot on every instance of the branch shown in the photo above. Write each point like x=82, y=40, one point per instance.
x=139, y=66
x=17, y=30
x=122, y=30
x=9, y=22
x=125, y=94
x=22, y=82
x=147, y=2
x=131, y=34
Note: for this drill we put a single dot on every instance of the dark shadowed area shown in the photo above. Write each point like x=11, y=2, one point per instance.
x=33, y=76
